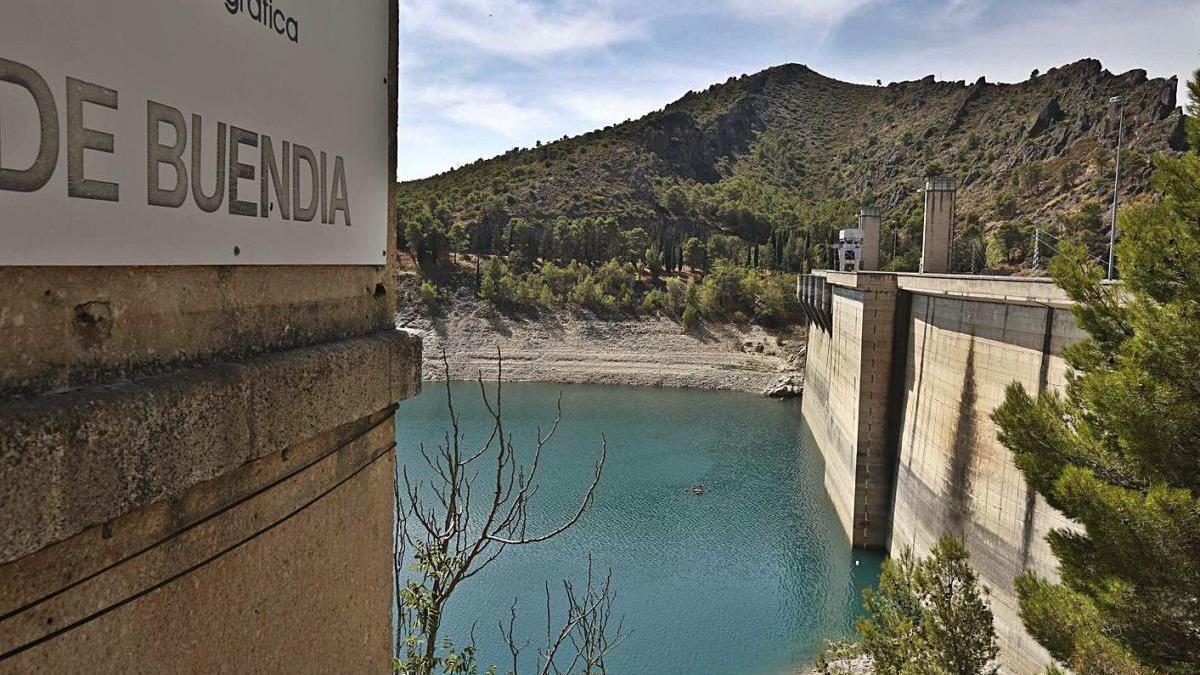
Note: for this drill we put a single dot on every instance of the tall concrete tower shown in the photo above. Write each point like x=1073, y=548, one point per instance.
x=870, y=218
x=939, y=225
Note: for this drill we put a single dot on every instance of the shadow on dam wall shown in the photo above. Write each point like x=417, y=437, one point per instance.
x=963, y=451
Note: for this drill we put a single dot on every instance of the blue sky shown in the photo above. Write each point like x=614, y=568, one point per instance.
x=478, y=77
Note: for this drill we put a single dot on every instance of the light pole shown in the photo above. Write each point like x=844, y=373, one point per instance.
x=1112, y=232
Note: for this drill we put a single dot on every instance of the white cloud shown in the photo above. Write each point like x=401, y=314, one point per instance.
x=485, y=107
x=423, y=151
x=604, y=107
x=518, y=28
x=820, y=11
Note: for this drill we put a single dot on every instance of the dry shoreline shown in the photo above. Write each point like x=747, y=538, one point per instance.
x=561, y=346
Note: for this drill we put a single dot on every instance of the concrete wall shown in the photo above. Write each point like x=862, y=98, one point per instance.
x=197, y=466
x=830, y=403
x=957, y=344
x=845, y=393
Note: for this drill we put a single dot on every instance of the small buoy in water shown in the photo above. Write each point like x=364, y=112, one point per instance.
x=697, y=489
x=856, y=563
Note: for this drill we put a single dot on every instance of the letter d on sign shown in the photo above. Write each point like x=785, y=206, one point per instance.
x=36, y=176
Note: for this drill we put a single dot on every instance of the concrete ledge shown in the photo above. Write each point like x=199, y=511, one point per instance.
x=70, y=327
x=80, y=459
x=1009, y=290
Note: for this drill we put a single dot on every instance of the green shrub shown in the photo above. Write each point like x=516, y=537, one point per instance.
x=676, y=295
x=996, y=252
x=691, y=317
x=655, y=301
x=776, y=304
x=429, y=293
x=490, y=287
x=616, y=279
x=691, y=294
x=1006, y=204
x=694, y=253
x=725, y=291
x=585, y=293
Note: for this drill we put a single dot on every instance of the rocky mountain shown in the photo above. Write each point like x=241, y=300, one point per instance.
x=1032, y=151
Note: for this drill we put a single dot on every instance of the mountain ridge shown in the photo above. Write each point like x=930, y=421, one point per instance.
x=810, y=138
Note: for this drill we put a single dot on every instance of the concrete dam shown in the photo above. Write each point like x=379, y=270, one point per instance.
x=904, y=371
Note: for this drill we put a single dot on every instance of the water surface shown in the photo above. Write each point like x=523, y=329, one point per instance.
x=749, y=578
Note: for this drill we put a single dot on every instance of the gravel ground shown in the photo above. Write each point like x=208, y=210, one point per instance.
x=561, y=346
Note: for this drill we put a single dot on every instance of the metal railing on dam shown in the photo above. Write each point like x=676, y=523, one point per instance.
x=903, y=373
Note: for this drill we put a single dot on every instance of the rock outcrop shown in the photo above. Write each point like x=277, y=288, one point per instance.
x=1050, y=113
x=790, y=385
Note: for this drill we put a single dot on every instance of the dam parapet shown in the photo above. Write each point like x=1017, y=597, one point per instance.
x=901, y=380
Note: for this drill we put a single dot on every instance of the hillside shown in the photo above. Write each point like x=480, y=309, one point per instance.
x=788, y=150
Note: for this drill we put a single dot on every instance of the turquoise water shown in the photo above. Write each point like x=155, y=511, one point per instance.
x=749, y=578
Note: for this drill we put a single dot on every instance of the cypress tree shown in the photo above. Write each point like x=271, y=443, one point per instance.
x=1118, y=451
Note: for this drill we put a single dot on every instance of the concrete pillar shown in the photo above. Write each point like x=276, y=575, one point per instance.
x=939, y=225
x=870, y=218
x=197, y=461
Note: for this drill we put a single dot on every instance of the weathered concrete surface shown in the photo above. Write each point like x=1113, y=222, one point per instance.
x=845, y=401
x=76, y=326
x=954, y=475
x=957, y=344
x=272, y=567
x=830, y=404
x=74, y=460
x=938, y=231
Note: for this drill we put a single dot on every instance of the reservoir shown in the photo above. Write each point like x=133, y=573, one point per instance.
x=750, y=577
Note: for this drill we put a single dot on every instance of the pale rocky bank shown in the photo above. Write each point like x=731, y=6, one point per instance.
x=569, y=347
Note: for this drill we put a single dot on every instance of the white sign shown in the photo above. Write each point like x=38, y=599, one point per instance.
x=193, y=132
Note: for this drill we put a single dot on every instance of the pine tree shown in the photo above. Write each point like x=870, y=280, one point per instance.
x=1193, y=110
x=1119, y=450
x=929, y=617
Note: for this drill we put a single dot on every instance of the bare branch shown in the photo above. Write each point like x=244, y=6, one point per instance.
x=453, y=537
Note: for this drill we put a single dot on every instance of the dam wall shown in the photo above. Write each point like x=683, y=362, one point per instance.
x=900, y=386
x=846, y=384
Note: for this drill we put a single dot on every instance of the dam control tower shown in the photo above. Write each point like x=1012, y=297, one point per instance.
x=938, y=231
x=870, y=219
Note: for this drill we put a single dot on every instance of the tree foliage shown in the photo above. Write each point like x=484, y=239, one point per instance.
x=929, y=616
x=1118, y=450
x=1193, y=110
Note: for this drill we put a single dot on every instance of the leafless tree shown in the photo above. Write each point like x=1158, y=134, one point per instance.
x=474, y=506
x=586, y=630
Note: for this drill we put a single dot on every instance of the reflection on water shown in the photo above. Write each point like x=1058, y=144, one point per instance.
x=748, y=578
